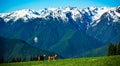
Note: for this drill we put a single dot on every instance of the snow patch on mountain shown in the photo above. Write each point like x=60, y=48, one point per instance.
x=100, y=12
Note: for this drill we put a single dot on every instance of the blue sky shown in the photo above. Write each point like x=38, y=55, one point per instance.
x=13, y=5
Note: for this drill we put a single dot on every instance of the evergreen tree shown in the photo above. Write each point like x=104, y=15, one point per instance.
x=14, y=60
x=112, y=49
x=31, y=58
x=24, y=59
x=35, y=58
x=1, y=60
x=18, y=59
x=115, y=49
x=118, y=48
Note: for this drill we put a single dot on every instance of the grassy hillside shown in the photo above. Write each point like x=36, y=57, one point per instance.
x=96, y=52
x=93, y=61
x=77, y=44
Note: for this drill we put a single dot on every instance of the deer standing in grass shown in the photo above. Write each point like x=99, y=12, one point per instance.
x=41, y=58
x=53, y=57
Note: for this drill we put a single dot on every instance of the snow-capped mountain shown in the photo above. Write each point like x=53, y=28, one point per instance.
x=64, y=30
x=91, y=13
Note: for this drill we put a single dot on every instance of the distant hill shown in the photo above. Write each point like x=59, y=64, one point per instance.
x=14, y=48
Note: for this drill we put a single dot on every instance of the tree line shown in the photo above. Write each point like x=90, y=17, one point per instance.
x=20, y=59
x=32, y=58
x=114, y=49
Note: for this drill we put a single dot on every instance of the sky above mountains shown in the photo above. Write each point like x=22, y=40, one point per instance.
x=13, y=5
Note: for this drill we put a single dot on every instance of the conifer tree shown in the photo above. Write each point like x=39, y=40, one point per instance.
x=24, y=59
x=115, y=50
x=1, y=60
x=31, y=58
x=111, y=49
x=14, y=60
x=118, y=49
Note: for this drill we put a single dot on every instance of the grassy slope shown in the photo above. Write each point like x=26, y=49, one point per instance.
x=63, y=43
x=93, y=61
x=96, y=52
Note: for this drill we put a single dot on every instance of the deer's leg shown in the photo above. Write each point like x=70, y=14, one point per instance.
x=48, y=59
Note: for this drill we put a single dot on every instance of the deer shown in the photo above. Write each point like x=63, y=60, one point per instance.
x=53, y=57
x=41, y=58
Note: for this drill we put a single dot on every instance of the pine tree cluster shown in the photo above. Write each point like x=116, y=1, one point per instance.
x=114, y=49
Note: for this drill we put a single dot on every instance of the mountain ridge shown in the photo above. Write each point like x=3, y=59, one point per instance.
x=56, y=12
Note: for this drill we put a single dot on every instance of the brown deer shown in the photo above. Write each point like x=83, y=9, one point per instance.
x=41, y=58
x=53, y=57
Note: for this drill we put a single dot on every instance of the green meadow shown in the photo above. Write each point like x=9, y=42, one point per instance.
x=91, y=61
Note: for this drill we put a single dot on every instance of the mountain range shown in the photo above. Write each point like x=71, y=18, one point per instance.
x=70, y=31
